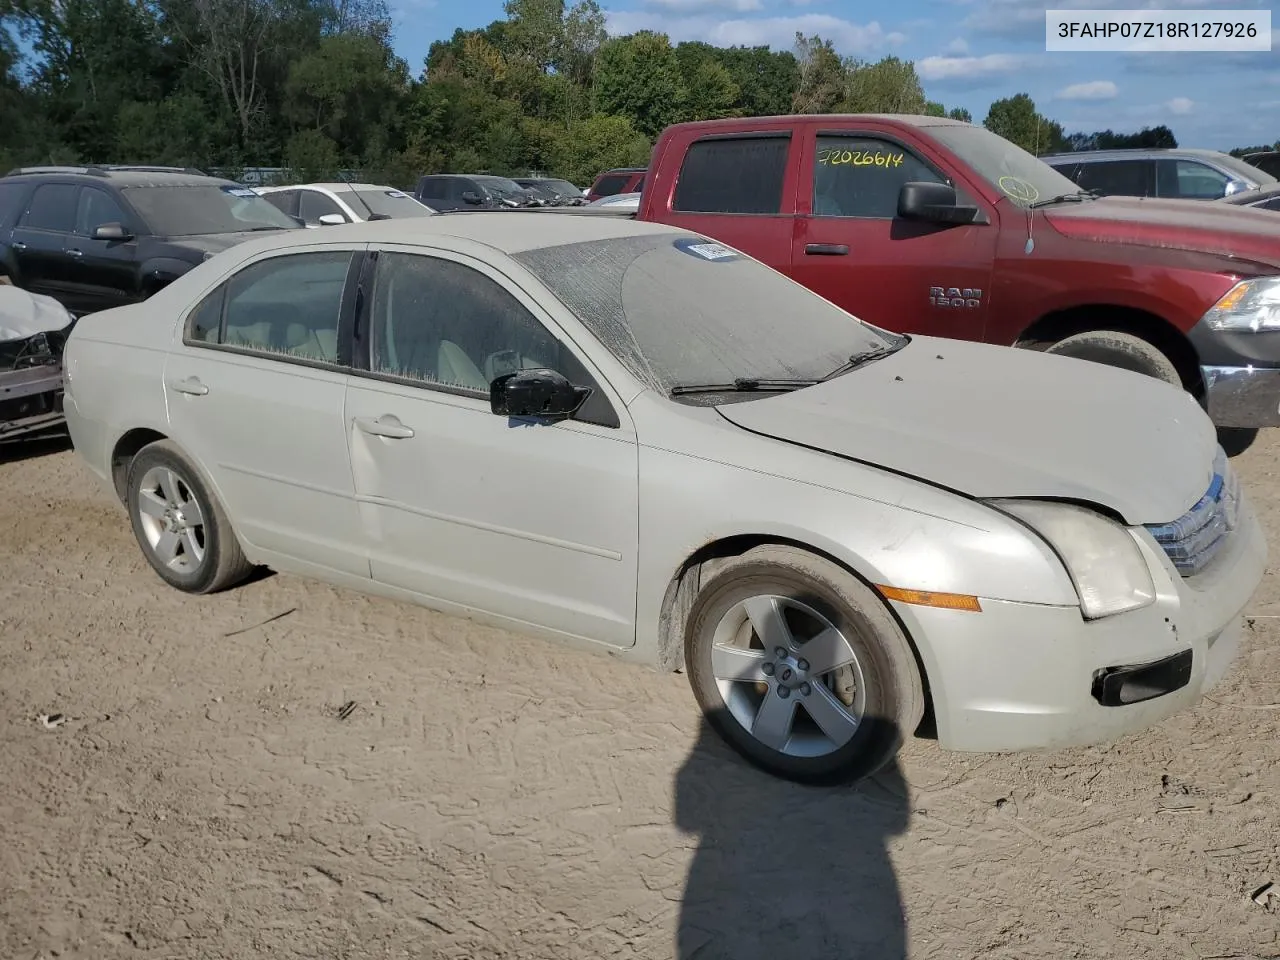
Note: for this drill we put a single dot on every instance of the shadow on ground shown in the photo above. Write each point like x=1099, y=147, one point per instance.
x=785, y=872
x=34, y=445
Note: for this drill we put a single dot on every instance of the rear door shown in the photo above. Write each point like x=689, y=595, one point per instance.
x=105, y=272
x=739, y=189
x=39, y=240
x=851, y=247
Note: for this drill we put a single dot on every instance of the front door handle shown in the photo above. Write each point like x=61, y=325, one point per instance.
x=384, y=426
x=191, y=386
x=826, y=249
x=75, y=253
x=18, y=245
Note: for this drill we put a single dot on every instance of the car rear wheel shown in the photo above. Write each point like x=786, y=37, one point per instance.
x=182, y=529
x=801, y=667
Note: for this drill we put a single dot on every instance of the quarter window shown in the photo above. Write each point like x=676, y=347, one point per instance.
x=53, y=207
x=442, y=323
x=287, y=306
x=733, y=175
x=862, y=177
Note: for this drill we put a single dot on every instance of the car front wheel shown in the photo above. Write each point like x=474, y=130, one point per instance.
x=183, y=531
x=801, y=667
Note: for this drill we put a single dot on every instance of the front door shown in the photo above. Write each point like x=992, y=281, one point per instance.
x=255, y=389
x=104, y=272
x=532, y=521
x=851, y=247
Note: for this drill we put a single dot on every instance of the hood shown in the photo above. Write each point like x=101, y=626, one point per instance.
x=1200, y=226
x=211, y=243
x=991, y=421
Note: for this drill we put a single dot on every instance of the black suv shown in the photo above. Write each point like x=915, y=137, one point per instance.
x=458, y=191
x=97, y=237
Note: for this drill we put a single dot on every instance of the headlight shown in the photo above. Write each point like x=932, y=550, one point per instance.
x=1251, y=306
x=1105, y=564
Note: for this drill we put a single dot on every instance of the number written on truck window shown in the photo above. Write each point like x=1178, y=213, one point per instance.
x=867, y=183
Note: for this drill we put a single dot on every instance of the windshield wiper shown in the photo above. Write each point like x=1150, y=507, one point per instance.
x=1078, y=197
x=863, y=357
x=742, y=385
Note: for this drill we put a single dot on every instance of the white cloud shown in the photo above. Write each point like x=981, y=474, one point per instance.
x=971, y=68
x=958, y=47
x=1180, y=106
x=696, y=6
x=1092, y=90
x=777, y=32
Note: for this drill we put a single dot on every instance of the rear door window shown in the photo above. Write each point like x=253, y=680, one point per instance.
x=53, y=207
x=1125, y=178
x=733, y=175
x=610, y=185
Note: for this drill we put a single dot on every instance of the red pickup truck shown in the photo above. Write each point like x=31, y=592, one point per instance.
x=932, y=226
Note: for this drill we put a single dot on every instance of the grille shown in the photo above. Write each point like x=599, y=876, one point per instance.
x=1194, y=539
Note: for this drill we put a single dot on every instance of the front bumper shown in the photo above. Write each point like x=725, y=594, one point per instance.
x=1242, y=396
x=1028, y=677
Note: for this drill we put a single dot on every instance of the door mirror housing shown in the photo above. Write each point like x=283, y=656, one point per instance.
x=540, y=393
x=331, y=219
x=933, y=203
x=470, y=196
x=1235, y=186
x=111, y=231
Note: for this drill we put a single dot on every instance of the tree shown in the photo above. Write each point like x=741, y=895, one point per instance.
x=638, y=77
x=887, y=86
x=821, y=82
x=1016, y=119
x=961, y=114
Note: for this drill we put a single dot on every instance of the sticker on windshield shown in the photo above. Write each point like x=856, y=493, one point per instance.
x=706, y=249
x=397, y=194
x=239, y=191
x=1019, y=189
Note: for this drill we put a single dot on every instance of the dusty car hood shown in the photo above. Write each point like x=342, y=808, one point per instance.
x=993, y=421
x=1197, y=225
x=212, y=243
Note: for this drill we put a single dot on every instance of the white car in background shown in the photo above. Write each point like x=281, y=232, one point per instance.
x=628, y=437
x=330, y=204
x=620, y=201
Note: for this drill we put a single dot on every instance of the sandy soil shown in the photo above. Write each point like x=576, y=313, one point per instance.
x=492, y=796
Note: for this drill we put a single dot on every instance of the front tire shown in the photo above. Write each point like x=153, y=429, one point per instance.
x=801, y=667
x=182, y=529
x=1117, y=349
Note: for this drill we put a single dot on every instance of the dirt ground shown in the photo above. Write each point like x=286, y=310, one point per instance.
x=493, y=796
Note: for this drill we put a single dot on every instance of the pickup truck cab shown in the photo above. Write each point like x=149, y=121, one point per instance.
x=933, y=226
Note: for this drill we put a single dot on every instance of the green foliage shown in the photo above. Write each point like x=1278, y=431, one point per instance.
x=314, y=86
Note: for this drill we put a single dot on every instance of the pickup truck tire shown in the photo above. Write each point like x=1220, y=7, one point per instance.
x=181, y=527
x=806, y=722
x=1118, y=349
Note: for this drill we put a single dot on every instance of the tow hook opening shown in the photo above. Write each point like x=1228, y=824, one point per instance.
x=1121, y=686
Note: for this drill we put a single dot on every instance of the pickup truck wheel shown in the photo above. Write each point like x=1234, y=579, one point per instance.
x=182, y=529
x=801, y=667
x=1118, y=349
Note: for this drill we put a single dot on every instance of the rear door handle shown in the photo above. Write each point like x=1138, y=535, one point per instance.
x=191, y=386
x=384, y=426
x=18, y=245
x=826, y=249
x=75, y=253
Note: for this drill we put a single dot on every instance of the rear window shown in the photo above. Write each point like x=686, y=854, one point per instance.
x=733, y=175
x=609, y=185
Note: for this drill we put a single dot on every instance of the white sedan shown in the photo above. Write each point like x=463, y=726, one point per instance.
x=330, y=204
x=639, y=441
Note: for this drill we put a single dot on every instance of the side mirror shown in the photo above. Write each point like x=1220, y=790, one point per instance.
x=932, y=202
x=1234, y=187
x=111, y=231
x=470, y=196
x=535, y=393
x=331, y=219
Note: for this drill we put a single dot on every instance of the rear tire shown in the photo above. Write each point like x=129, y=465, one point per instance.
x=181, y=527
x=831, y=725
x=1117, y=349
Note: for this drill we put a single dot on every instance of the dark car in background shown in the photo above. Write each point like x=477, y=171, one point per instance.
x=554, y=191
x=1268, y=198
x=618, y=180
x=96, y=237
x=1164, y=173
x=1268, y=161
x=460, y=191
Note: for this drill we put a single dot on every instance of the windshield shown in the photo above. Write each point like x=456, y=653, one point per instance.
x=195, y=209
x=553, y=188
x=502, y=188
x=392, y=203
x=1246, y=171
x=1018, y=175
x=681, y=310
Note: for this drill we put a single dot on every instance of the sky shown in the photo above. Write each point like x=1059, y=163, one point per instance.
x=967, y=54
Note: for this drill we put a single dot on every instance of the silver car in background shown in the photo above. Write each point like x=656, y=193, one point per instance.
x=636, y=440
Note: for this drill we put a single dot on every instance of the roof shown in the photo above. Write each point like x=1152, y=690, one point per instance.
x=336, y=187
x=124, y=175
x=507, y=231
x=1130, y=153
x=822, y=119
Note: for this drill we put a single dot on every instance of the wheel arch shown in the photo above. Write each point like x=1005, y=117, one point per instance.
x=1151, y=327
x=125, y=449
x=700, y=565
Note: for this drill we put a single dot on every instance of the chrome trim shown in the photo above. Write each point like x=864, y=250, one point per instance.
x=1242, y=396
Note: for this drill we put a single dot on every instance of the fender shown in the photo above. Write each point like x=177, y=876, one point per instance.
x=159, y=272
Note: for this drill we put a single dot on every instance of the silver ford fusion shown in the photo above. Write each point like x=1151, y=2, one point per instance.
x=636, y=440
